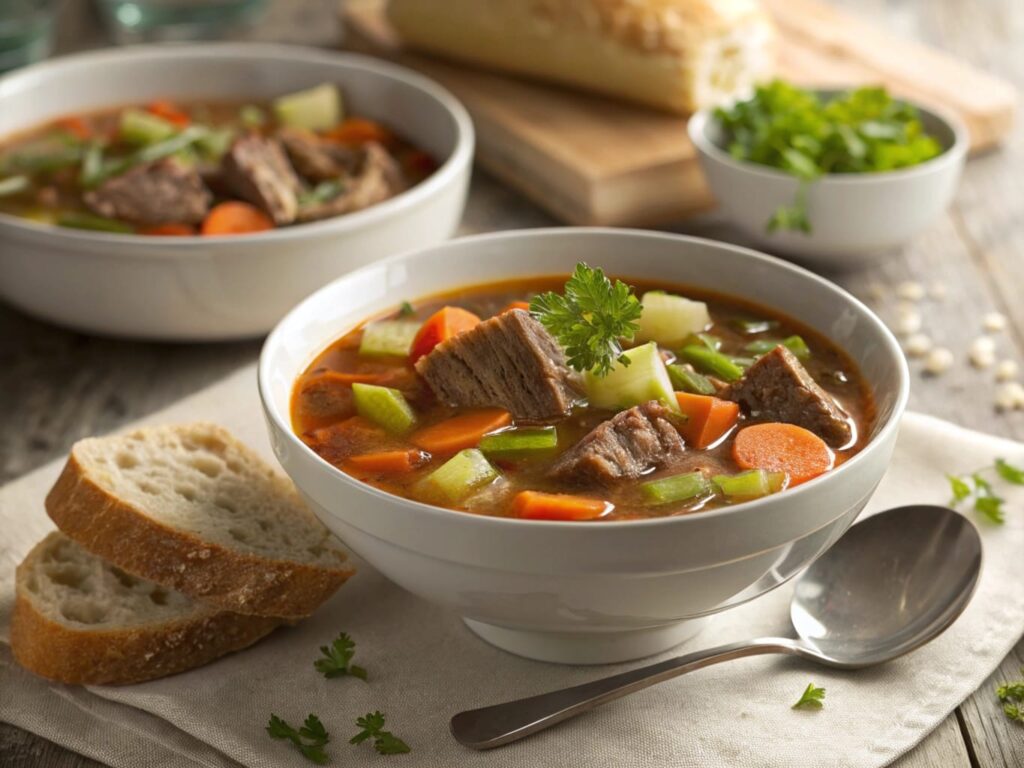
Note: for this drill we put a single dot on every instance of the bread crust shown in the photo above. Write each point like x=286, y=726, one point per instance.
x=137, y=544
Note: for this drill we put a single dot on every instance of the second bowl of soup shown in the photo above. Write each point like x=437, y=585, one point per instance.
x=584, y=441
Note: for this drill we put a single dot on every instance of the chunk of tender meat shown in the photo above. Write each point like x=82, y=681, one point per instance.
x=623, y=448
x=315, y=159
x=509, y=361
x=162, y=192
x=257, y=170
x=778, y=388
x=378, y=178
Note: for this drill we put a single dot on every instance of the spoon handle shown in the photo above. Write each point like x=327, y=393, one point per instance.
x=500, y=724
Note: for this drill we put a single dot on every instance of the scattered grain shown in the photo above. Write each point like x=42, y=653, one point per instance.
x=1007, y=370
x=994, y=322
x=1010, y=396
x=908, y=320
x=910, y=291
x=939, y=361
x=917, y=345
x=982, y=352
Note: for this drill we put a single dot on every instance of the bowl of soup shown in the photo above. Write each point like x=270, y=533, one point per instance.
x=584, y=442
x=197, y=192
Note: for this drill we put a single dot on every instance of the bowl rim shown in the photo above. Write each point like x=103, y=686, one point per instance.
x=281, y=423
x=29, y=77
x=953, y=154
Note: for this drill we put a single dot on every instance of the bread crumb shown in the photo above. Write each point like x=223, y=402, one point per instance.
x=917, y=345
x=939, y=361
x=1010, y=396
x=1007, y=370
x=994, y=322
x=910, y=291
x=982, y=352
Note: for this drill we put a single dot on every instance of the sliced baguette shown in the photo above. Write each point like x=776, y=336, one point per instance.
x=80, y=620
x=191, y=508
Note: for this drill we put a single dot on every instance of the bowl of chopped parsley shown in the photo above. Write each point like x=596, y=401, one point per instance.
x=832, y=177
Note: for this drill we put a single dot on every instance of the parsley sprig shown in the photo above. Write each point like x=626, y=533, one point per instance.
x=337, y=659
x=385, y=742
x=812, y=698
x=590, y=319
x=980, y=491
x=792, y=129
x=310, y=739
x=1011, y=696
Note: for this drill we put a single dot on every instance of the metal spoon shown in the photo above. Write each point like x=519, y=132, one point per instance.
x=888, y=586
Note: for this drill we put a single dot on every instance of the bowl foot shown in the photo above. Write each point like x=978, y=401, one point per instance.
x=588, y=647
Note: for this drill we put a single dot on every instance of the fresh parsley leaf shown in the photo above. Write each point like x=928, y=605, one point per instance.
x=310, y=739
x=1009, y=473
x=961, y=490
x=406, y=309
x=590, y=319
x=372, y=727
x=812, y=698
x=337, y=659
x=986, y=502
x=1011, y=695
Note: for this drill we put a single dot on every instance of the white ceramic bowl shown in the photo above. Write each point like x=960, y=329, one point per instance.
x=572, y=592
x=855, y=218
x=194, y=288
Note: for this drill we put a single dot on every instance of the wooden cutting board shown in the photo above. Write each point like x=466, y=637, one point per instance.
x=592, y=160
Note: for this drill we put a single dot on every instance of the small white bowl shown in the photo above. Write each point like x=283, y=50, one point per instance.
x=855, y=218
x=213, y=288
x=578, y=592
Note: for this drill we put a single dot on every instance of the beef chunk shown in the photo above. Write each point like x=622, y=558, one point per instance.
x=165, y=191
x=316, y=159
x=623, y=448
x=778, y=388
x=377, y=179
x=257, y=170
x=509, y=361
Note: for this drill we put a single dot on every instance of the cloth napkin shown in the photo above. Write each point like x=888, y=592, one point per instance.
x=424, y=665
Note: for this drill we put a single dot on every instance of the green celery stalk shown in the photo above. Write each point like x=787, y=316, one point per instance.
x=82, y=220
x=151, y=153
x=519, y=443
x=456, y=479
x=712, y=362
x=139, y=127
x=92, y=166
x=667, y=490
x=385, y=407
x=252, y=116
x=751, y=484
x=388, y=338
x=794, y=344
x=685, y=379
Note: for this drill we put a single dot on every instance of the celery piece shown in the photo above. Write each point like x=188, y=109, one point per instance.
x=150, y=153
x=520, y=443
x=138, y=127
x=712, y=362
x=82, y=220
x=667, y=490
x=215, y=143
x=92, y=166
x=252, y=116
x=458, y=477
x=751, y=484
x=669, y=319
x=37, y=161
x=643, y=378
x=388, y=338
x=685, y=379
x=315, y=109
x=12, y=185
x=743, y=362
x=384, y=406
x=794, y=344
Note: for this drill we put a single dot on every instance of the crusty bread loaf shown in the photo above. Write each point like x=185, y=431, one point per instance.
x=80, y=620
x=678, y=55
x=192, y=509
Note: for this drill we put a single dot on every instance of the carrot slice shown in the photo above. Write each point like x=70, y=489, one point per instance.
x=440, y=326
x=357, y=130
x=534, y=505
x=523, y=305
x=235, y=218
x=76, y=126
x=707, y=418
x=776, y=447
x=169, y=112
x=169, y=230
x=391, y=462
x=462, y=431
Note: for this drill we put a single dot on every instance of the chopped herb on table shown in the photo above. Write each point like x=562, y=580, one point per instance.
x=337, y=659
x=807, y=136
x=310, y=739
x=385, y=742
x=977, y=488
x=1011, y=696
x=812, y=698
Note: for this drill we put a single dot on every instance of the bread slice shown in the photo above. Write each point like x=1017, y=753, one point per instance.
x=191, y=508
x=80, y=620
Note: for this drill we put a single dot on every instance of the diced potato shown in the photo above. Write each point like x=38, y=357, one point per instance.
x=644, y=379
x=668, y=319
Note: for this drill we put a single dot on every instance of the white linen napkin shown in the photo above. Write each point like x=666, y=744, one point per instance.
x=424, y=665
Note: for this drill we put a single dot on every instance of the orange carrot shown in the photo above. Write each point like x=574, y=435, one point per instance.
x=534, y=505
x=391, y=462
x=707, y=418
x=523, y=305
x=462, y=431
x=76, y=126
x=440, y=326
x=357, y=130
x=169, y=230
x=235, y=218
x=169, y=112
x=776, y=447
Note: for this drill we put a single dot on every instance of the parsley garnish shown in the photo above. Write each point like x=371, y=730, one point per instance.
x=986, y=501
x=813, y=698
x=590, y=319
x=337, y=659
x=789, y=128
x=1011, y=695
x=405, y=309
x=310, y=739
x=385, y=742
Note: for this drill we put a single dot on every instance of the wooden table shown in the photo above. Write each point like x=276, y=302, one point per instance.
x=57, y=386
